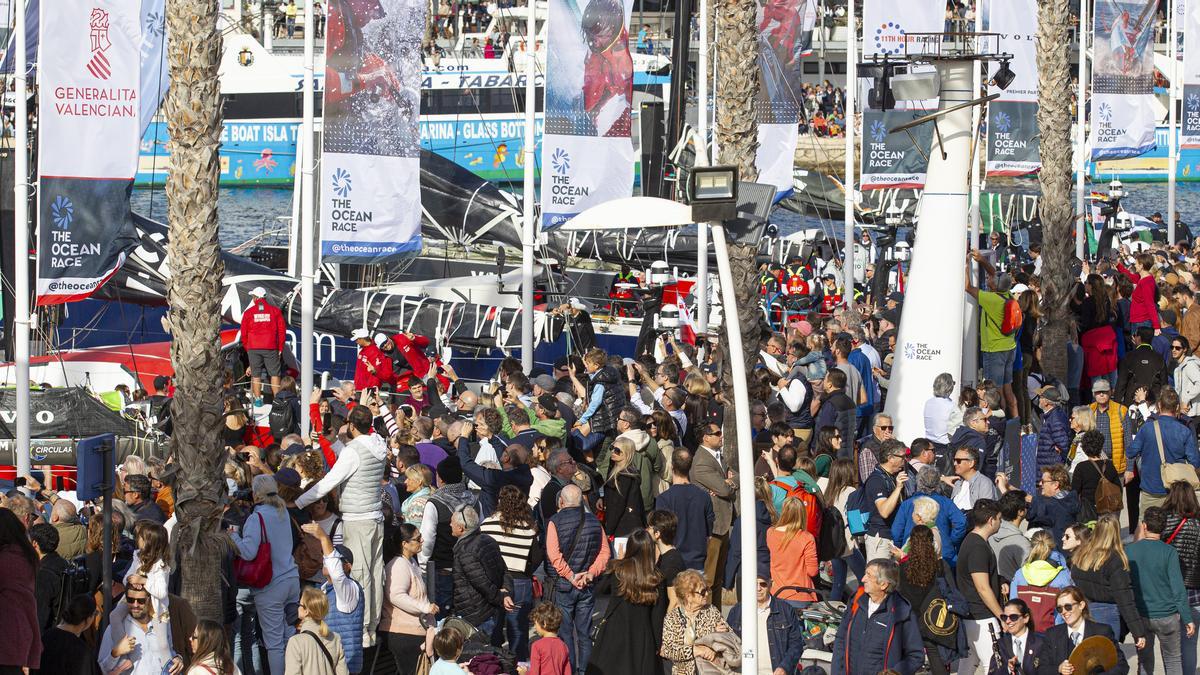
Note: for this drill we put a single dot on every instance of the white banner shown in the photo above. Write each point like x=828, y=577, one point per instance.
x=89, y=132
x=1013, y=142
x=371, y=160
x=587, y=152
x=785, y=30
x=889, y=24
x=1190, y=124
x=1122, y=107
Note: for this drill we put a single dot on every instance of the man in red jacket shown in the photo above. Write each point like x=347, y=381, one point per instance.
x=373, y=368
x=263, y=338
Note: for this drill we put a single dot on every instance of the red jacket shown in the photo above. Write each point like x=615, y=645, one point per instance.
x=413, y=352
x=382, y=365
x=1143, y=307
x=263, y=326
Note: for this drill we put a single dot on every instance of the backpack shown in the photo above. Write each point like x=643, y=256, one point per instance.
x=831, y=542
x=1013, y=318
x=1108, y=494
x=283, y=419
x=1041, y=601
x=857, y=513
x=307, y=553
x=812, y=505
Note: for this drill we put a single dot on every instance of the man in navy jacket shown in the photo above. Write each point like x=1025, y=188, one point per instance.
x=785, y=634
x=879, y=630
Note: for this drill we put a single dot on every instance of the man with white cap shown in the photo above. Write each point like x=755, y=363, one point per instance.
x=373, y=368
x=263, y=338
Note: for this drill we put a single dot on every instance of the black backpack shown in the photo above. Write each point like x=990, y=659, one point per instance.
x=283, y=419
x=831, y=543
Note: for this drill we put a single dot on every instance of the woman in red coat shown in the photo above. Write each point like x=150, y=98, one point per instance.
x=22, y=643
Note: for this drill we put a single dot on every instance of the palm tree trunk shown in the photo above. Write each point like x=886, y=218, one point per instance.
x=736, y=73
x=193, y=114
x=1057, y=213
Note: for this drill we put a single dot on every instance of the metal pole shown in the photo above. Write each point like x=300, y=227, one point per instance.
x=294, y=226
x=702, y=159
x=21, y=320
x=970, y=361
x=109, y=479
x=1172, y=145
x=529, y=227
x=741, y=402
x=307, y=243
x=820, y=30
x=851, y=83
x=1080, y=135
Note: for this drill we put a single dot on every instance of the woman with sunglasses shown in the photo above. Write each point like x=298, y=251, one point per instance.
x=624, y=511
x=1019, y=643
x=1187, y=375
x=694, y=618
x=1059, y=641
x=211, y=651
x=407, y=612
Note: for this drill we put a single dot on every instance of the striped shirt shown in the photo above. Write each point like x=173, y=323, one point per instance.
x=516, y=546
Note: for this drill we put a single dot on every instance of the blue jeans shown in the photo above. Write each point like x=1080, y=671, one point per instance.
x=1189, y=643
x=516, y=622
x=247, y=651
x=576, y=629
x=1107, y=614
x=489, y=627
x=443, y=592
x=270, y=602
x=854, y=563
x=998, y=366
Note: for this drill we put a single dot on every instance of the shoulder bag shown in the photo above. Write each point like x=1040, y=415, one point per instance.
x=324, y=650
x=1108, y=494
x=255, y=573
x=1177, y=471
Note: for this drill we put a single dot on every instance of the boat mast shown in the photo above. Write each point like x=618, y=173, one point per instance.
x=1080, y=134
x=306, y=222
x=21, y=245
x=702, y=159
x=851, y=84
x=1172, y=146
x=529, y=228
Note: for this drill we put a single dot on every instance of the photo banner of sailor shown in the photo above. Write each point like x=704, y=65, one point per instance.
x=371, y=145
x=1013, y=143
x=785, y=30
x=891, y=29
x=1122, y=106
x=89, y=128
x=1190, y=131
x=587, y=153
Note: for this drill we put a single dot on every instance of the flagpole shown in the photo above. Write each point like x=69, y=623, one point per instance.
x=702, y=159
x=851, y=85
x=529, y=227
x=1081, y=135
x=307, y=245
x=21, y=320
x=1172, y=145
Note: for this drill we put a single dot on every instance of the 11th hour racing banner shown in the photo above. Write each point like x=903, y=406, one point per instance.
x=1190, y=27
x=587, y=153
x=1013, y=147
x=89, y=129
x=785, y=30
x=1123, y=79
x=892, y=29
x=370, y=163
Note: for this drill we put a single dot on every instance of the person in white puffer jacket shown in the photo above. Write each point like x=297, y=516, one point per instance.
x=1187, y=375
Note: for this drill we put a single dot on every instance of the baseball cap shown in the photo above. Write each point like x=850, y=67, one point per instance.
x=546, y=382
x=548, y=401
x=896, y=296
x=708, y=368
x=293, y=449
x=892, y=316
x=258, y=292
x=287, y=476
x=576, y=303
x=380, y=338
x=1101, y=385
x=360, y=334
x=344, y=553
x=804, y=327
x=1050, y=392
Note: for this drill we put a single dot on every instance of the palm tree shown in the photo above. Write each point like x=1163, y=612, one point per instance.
x=1056, y=211
x=737, y=137
x=193, y=115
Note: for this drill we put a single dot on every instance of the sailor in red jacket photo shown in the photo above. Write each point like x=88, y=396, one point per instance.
x=373, y=368
x=263, y=338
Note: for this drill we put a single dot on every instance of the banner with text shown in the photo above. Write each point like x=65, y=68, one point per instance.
x=1013, y=147
x=371, y=149
x=893, y=29
x=1123, y=79
x=587, y=153
x=89, y=127
x=1191, y=75
x=785, y=29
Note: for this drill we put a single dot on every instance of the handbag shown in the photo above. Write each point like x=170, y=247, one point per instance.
x=1108, y=494
x=1176, y=471
x=255, y=573
x=424, y=665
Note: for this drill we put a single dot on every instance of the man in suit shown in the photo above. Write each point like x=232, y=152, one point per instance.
x=1059, y=641
x=712, y=472
x=1018, y=637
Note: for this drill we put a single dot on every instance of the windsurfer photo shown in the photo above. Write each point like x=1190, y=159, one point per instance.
x=608, y=68
x=1128, y=35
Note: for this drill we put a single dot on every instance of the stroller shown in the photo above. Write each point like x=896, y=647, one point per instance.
x=821, y=620
x=476, y=645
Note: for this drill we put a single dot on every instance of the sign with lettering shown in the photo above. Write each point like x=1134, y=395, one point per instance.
x=1014, y=147
x=1122, y=106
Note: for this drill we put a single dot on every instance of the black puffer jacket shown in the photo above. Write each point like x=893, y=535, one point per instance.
x=1111, y=584
x=480, y=578
x=605, y=417
x=1187, y=542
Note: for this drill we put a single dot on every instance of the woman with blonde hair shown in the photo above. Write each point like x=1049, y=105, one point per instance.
x=624, y=511
x=1083, y=420
x=418, y=480
x=843, y=481
x=314, y=649
x=1044, y=567
x=692, y=619
x=1100, y=569
x=793, y=554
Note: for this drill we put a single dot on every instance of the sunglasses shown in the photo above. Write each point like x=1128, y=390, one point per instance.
x=1066, y=607
x=1010, y=617
x=136, y=601
x=887, y=427
x=703, y=592
x=713, y=433
x=960, y=460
